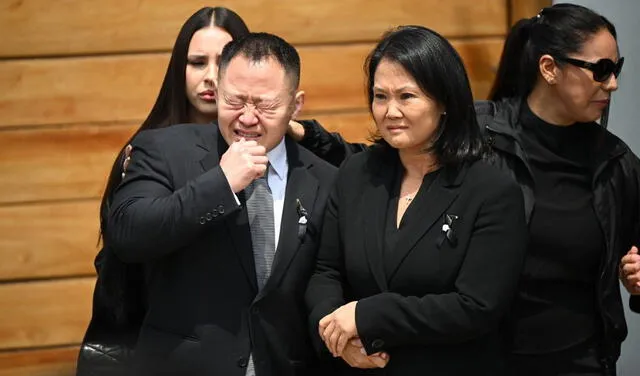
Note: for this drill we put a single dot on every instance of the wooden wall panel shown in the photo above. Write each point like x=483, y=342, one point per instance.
x=519, y=9
x=123, y=88
x=60, y=163
x=48, y=240
x=46, y=313
x=46, y=362
x=73, y=90
x=68, y=27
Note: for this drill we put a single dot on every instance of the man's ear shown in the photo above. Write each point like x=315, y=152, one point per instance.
x=297, y=103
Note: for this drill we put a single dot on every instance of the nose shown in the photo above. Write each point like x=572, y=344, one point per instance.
x=611, y=84
x=248, y=116
x=212, y=73
x=393, y=110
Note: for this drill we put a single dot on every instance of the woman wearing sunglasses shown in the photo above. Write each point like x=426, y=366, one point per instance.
x=580, y=184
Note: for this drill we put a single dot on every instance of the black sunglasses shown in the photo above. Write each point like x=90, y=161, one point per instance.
x=602, y=69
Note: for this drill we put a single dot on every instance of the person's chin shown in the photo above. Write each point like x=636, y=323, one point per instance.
x=396, y=142
x=207, y=108
x=594, y=114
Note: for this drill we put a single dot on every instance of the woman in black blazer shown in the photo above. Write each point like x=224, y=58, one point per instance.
x=422, y=242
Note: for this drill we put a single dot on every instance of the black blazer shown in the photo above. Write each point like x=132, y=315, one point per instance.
x=438, y=310
x=176, y=213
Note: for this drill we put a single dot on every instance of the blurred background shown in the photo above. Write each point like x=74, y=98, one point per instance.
x=77, y=77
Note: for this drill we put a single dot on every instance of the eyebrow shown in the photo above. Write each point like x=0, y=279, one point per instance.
x=255, y=100
x=402, y=88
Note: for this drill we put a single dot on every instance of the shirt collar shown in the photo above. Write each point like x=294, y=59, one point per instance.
x=278, y=159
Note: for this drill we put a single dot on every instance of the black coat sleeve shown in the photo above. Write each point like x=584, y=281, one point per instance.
x=329, y=146
x=484, y=288
x=150, y=217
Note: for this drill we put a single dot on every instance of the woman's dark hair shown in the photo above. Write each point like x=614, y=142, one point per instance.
x=558, y=30
x=439, y=72
x=172, y=105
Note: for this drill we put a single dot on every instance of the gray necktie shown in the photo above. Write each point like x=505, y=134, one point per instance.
x=260, y=211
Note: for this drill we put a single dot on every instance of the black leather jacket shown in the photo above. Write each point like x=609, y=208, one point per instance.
x=616, y=190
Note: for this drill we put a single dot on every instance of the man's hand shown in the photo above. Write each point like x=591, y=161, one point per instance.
x=630, y=271
x=242, y=163
x=355, y=355
x=338, y=327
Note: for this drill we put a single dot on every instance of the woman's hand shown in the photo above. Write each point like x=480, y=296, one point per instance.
x=127, y=159
x=295, y=130
x=338, y=327
x=630, y=271
x=355, y=356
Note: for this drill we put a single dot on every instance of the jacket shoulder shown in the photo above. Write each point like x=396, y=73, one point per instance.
x=482, y=176
x=373, y=156
x=171, y=132
x=176, y=137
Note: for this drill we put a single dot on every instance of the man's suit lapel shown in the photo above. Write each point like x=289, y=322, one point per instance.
x=431, y=205
x=237, y=224
x=301, y=186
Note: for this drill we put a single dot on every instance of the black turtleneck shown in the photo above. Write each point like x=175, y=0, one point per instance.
x=556, y=307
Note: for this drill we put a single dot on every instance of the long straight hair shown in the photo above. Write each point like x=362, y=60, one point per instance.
x=172, y=105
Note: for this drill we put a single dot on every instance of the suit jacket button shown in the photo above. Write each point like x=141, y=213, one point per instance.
x=243, y=362
x=209, y=216
x=220, y=209
x=215, y=213
x=377, y=344
x=202, y=220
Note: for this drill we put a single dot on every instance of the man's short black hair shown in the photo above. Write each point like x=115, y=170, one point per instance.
x=258, y=47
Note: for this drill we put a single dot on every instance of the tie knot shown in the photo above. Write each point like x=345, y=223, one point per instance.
x=266, y=172
x=259, y=183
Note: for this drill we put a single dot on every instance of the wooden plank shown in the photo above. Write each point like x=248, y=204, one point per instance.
x=519, y=9
x=67, y=232
x=45, y=313
x=64, y=163
x=123, y=88
x=69, y=27
x=74, y=90
x=48, y=240
x=48, y=362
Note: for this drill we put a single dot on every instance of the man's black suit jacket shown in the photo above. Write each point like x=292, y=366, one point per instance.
x=176, y=213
